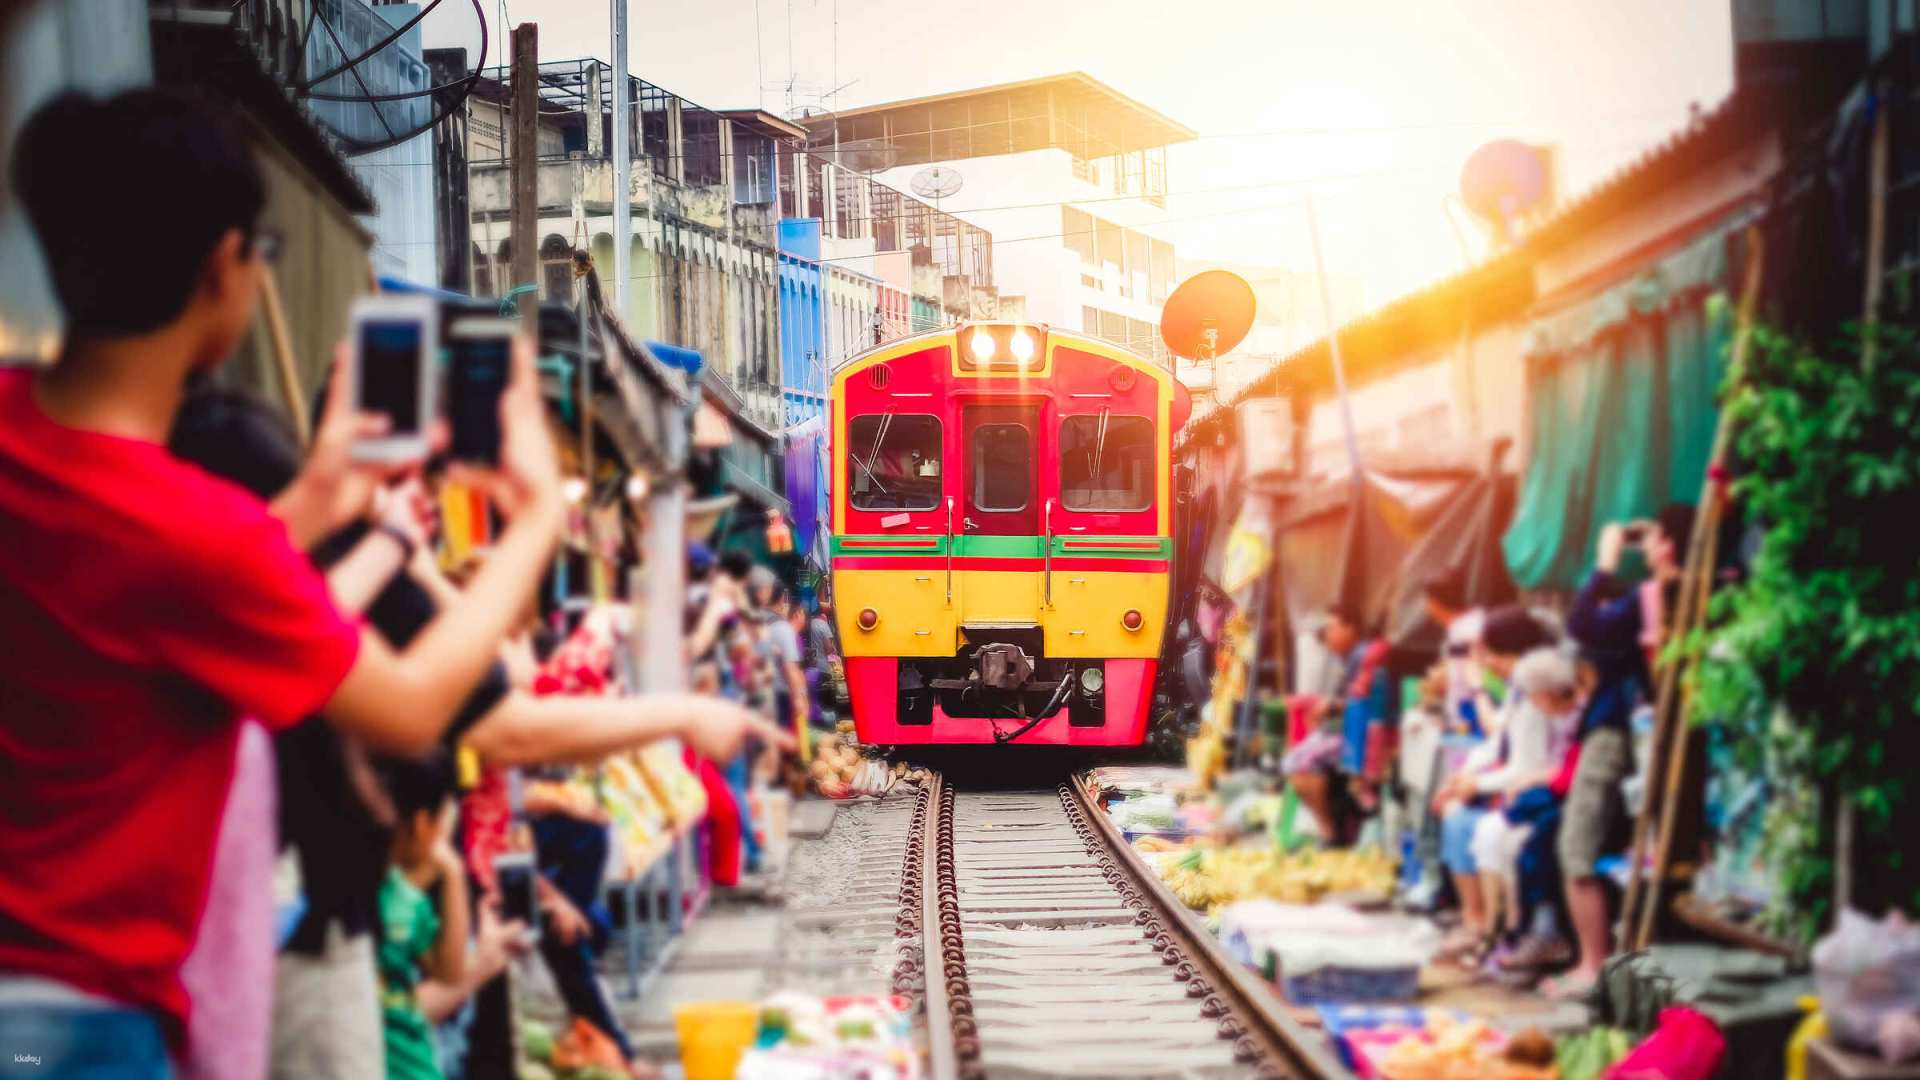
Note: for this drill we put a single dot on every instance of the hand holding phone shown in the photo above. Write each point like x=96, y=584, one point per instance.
x=481, y=355
x=395, y=348
x=516, y=876
x=529, y=473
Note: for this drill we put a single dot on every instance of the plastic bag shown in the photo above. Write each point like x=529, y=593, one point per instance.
x=1686, y=1046
x=1864, y=970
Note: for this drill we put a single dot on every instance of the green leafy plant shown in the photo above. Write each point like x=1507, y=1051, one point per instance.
x=1813, y=661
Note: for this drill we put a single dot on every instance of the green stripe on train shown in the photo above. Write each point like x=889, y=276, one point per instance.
x=1007, y=547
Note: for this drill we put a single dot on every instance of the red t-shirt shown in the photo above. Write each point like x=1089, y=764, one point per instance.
x=146, y=606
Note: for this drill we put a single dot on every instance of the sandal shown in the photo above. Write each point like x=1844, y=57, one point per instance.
x=1536, y=953
x=1571, y=986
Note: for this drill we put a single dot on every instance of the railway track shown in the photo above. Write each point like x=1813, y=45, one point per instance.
x=1042, y=947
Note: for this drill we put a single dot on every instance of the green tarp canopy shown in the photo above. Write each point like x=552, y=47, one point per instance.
x=1621, y=389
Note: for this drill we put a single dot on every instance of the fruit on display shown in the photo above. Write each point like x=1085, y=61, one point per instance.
x=1451, y=1049
x=639, y=820
x=675, y=785
x=842, y=769
x=1205, y=876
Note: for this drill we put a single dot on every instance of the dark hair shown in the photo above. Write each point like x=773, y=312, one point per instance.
x=1447, y=588
x=129, y=195
x=1511, y=630
x=417, y=784
x=736, y=564
x=1676, y=521
x=236, y=436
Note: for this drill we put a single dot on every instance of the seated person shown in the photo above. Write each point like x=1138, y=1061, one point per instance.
x=1463, y=800
x=1312, y=761
x=1539, y=737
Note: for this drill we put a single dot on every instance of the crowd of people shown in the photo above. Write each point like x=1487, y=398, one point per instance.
x=213, y=629
x=1524, y=735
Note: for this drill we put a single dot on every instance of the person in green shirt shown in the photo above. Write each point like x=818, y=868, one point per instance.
x=418, y=942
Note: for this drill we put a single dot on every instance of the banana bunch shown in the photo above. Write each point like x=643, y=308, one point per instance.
x=1207, y=877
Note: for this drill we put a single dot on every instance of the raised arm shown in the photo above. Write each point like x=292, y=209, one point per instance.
x=400, y=702
x=524, y=729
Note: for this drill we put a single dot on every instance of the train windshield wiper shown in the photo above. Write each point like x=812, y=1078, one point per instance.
x=1099, y=447
x=879, y=440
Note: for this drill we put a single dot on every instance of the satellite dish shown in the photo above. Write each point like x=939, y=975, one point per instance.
x=935, y=182
x=1504, y=181
x=1207, y=315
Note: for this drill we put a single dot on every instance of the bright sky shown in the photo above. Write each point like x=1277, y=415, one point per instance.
x=1371, y=105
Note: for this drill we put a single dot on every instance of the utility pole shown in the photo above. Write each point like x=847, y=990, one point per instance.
x=622, y=162
x=525, y=223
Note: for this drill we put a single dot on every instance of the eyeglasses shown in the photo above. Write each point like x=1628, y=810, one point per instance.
x=267, y=243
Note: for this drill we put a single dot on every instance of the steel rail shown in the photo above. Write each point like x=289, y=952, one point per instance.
x=1269, y=1040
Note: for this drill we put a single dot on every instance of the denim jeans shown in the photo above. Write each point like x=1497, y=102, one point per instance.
x=573, y=855
x=1456, y=838
x=74, y=1042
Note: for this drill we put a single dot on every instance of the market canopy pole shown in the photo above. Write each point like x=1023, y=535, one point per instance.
x=1656, y=823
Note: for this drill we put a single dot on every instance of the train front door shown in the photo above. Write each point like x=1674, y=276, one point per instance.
x=1001, y=444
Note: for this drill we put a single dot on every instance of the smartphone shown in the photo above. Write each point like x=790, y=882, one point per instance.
x=1634, y=533
x=517, y=877
x=481, y=357
x=396, y=350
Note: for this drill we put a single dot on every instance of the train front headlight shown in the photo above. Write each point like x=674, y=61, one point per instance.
x=983, y=347
x=1021, y=346
x=1092, y=679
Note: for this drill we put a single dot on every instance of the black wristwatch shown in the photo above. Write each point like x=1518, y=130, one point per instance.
x=399, y=535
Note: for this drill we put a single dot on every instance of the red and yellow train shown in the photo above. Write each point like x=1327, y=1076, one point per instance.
x=1002, y=536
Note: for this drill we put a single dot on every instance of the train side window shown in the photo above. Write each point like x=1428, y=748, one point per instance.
x=1106, y=463
x=1002, y=467
x=894, y=461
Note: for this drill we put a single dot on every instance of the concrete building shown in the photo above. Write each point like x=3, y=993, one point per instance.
x=709, y=192
x=803, y=321
x=882, y=232
x=1065, y=155
x=703, y=254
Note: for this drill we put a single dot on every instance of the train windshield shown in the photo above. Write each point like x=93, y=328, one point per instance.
x=1106, y=462
x=893, y=462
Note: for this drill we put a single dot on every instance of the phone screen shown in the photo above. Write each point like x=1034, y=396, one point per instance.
x=390, y=372
x=514, y=873
x=478, y=379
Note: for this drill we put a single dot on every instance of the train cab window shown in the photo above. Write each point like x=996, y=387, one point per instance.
x=1002, y=467
x=1106, y=463
x=894, y=461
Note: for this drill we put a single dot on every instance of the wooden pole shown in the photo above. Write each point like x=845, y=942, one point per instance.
x=1654, y=824
x=525, y=171
x=282, y=345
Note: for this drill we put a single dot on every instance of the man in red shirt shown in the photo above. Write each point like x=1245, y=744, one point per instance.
x=148, y=607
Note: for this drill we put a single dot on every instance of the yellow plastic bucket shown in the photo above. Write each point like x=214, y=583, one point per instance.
x=714, y=1035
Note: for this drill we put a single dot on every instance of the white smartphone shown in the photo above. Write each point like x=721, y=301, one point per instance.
x=395, y=368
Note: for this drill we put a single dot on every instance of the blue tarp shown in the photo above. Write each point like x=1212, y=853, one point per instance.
x=674, y=356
